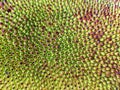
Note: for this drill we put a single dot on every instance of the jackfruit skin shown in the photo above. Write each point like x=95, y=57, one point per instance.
x=59, y=45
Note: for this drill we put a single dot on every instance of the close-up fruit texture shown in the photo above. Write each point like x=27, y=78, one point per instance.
x=59, y=44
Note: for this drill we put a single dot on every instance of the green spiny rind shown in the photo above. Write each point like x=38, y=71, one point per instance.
x=59, y=45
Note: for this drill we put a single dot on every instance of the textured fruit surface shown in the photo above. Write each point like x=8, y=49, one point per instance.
x=59, y=45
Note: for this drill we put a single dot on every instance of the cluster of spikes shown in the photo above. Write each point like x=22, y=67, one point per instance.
x=59, y=45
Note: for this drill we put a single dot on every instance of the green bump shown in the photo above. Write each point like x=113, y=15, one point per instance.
x=119, y=50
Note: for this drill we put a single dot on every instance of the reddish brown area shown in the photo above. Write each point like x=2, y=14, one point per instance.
x=96, y=22
x=105, y=59
x=109, y=41
x=116, y=68
x=91, y=10
x=118, y=71
x=97, y=35
x=106, y=11
x=106, y=63
x=116, y=1
x=117, y=6
x=87, y=16
x=5, y=6
x=1, y=5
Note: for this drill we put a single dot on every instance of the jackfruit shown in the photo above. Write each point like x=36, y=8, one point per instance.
x=59, y=45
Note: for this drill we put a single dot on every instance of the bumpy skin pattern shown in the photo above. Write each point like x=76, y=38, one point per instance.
x=59, y=45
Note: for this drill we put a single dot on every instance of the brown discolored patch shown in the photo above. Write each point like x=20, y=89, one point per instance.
x=88, y=15
x=106, y=11
x=97, y=35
